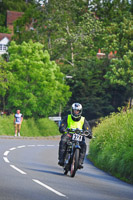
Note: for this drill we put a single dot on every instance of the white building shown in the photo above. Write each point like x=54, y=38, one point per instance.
x=4, y=40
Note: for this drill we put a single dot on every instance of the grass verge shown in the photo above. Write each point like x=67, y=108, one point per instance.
x=112, y=150
x=30, y=127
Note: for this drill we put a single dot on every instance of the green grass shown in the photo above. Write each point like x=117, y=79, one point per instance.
x=112, y=150
x=30, y=127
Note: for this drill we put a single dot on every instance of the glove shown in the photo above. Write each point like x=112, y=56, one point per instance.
x=88, y=134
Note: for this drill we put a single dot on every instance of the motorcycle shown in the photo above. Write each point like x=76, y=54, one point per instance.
x=71, y=161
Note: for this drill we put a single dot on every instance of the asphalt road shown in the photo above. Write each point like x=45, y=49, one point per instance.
x=29, y=171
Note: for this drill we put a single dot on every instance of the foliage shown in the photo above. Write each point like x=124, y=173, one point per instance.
x=12, y=5
x=4, y=82
x=4, y=29
x=110, y=11
x=121, y=71
x=30, y=127
x=95, y=92
x=118, y=36
x=66, y=29
x=113, y=145
x=37, y=86
x=3, y=76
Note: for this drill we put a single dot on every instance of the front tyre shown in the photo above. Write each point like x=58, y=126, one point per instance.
x=75, y=161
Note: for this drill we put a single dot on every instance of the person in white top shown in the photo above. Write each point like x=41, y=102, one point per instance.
x=18, y=118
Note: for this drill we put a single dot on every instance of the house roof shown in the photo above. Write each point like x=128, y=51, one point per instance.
x=3, y=35
x=12, y=16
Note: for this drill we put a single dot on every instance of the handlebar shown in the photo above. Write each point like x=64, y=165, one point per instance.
x=78, y=131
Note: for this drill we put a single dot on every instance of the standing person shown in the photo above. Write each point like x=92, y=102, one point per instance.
x=74, y=120
x=18, y=118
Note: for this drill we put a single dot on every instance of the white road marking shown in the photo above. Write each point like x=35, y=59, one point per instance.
x=17, y=169
x=12, y=148
x=5, y=159
x=50, y=145
x=19, y=147
x=31, y=145
x=49, y=188
x=40, y=145
x=6, y=153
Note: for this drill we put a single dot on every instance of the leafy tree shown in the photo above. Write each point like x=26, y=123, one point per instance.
x=118, y=36
x=95, y=92
x=37, y=86
x=110, y=11
x=4, y=82
x=66, y=28
x=121, y=72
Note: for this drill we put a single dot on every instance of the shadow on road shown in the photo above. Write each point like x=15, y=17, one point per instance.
x=52, y=171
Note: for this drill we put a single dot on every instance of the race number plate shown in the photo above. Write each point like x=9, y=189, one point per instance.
x=77, y=137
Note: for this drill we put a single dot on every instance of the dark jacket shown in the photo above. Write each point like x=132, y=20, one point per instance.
x=86, y=126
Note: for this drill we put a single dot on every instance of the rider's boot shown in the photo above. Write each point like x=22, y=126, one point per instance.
x=80, y=165
x=61, y=158
x=81, y=160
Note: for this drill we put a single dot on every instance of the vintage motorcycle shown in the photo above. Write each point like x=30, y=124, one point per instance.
x=71, y=161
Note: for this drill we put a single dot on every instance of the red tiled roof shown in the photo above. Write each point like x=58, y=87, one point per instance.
x=12, y=16
x=3, y=35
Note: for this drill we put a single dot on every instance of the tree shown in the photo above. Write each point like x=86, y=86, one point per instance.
x=4, y=82
x=118, y=36
x=120, y=71
x=66, y=28
x=110, y=11
x=37, y=86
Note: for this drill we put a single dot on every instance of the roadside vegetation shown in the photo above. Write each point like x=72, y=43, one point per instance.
x=30, y=127
x=112, y=150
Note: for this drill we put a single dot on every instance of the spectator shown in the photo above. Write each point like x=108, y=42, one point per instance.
x=18, y=118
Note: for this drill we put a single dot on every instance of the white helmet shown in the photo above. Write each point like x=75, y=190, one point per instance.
x=76, y=107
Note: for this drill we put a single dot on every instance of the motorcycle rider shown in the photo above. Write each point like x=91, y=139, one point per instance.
x=74, y=120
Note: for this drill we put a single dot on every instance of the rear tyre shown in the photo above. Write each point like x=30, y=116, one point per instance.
x=75, y=161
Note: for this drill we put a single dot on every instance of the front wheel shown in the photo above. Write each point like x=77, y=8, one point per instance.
x=75, y=161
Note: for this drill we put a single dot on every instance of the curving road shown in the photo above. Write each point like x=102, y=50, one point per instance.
x=29, y=171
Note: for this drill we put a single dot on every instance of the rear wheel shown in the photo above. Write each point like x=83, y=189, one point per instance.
x=75, y=161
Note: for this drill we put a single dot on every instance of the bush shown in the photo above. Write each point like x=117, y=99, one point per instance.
x=113, y=145
x=47, y=127
x=6, y=125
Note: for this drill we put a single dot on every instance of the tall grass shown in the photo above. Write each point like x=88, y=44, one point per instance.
x=30, y=127
x=112, y=150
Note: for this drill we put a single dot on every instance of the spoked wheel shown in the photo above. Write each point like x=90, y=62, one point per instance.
x=74, y=165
